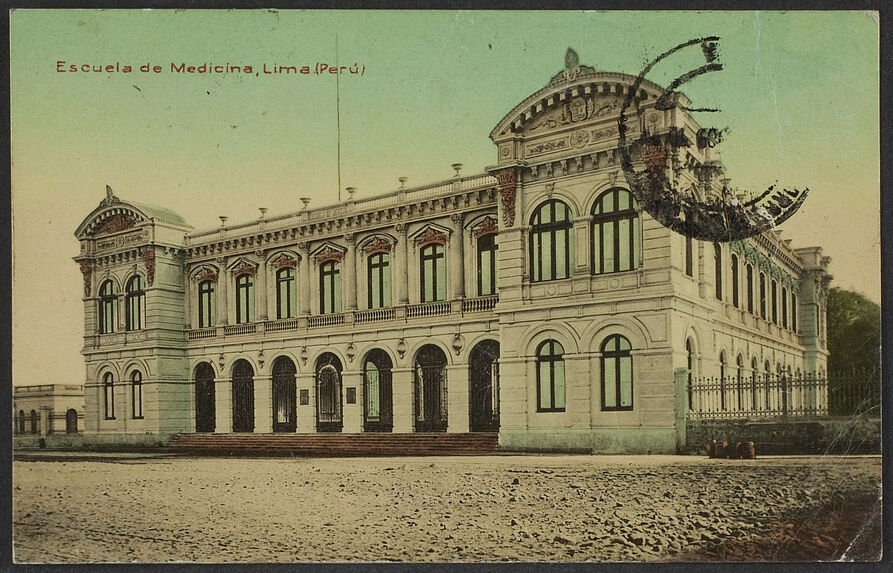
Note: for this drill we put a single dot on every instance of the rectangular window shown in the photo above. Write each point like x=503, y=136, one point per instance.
x=433, y=275
x=717, y=269
x=286, y=293
x=109, y=401
x=244, y=299
x=378, y=281
x=487, y=249
x=774, y=302
x=689, y=257
x=330, y=288
x=207, y=304
x=137, y=399
x=794, y=312
x=610, y=376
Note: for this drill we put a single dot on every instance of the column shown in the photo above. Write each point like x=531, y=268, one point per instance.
x=260, y=290
x=401, y=384
x=222, y=283
x=187, y=301
x=306, y=422
x=223, y=404
x=457, y=256
x=457, y=398
x=353, y=413
x=304, y=279
x=263, y=404
x=350, y=273
x=402, y=268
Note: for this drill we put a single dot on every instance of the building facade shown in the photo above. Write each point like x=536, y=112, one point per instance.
x=45, y=409
x=535, y=299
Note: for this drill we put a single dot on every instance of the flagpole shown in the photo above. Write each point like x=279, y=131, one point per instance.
x=338, y=114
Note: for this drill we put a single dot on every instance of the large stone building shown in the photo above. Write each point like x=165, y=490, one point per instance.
x=535, y=299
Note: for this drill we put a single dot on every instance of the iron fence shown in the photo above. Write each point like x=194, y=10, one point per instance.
x=781, y=395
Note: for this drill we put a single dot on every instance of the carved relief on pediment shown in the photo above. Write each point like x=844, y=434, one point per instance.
x=114, y=224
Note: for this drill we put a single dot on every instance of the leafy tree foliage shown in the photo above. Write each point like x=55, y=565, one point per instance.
x=854, y=332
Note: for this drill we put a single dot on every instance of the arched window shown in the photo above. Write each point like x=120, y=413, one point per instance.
x=34, y=428
x=286, y=300
x=136, y=300
x=717, y=269
x=774, y=302
x=784, y=307
x=690, y=364
x=330, y=287
x=794, y=312
x=767, y=382
x=739, y=382
x=378, y=280
x=616, y=238
x=735, y=301
x=487, y=264
x=136, y=394
x=551, y=242
x=617, y=374
x=244, y=298
x=689, y=257
x=432, y=278
x=21, y=421
x=550, y=381
x=71, y=421
x=723, y=372
x=754, y=379
x=762, y=296
x=378, y=401
x=749, y=286
x=108, y=302
x=108, y=386
x=207, y=304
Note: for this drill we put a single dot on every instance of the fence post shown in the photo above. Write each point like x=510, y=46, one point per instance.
x=682, y=389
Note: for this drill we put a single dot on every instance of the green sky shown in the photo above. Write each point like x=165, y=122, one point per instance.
x=799, y=93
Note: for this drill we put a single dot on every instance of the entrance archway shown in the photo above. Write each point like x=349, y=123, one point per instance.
x=328, y=393
x=483, y=391
x=205, y=420
x=430, y=390
x=377, y=396
x=284, y=414
x=71, y=421
x=243, y=397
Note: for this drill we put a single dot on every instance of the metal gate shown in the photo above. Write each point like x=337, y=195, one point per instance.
x=378, y=406
x=243, y=397
x=430, y=399
x=328, y=400
x=284, y=419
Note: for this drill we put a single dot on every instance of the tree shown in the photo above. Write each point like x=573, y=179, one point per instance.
x=854, y=332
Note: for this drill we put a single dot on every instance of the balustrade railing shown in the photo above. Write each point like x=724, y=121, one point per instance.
x=428, y=309
x=235, y=329
x=200, y=333
x=480, y=304
x=325, y=320
x=282, y=324
x=375, y=315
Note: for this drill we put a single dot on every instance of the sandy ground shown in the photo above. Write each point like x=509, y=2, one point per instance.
x=493, y=508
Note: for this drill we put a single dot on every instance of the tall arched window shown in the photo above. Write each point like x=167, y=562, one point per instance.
x=784, y=307
x=717, y=269
x=432, y=278
x=207, y=304
x=689, y=257
x=774, y=302
x=754, y=379
x=34, y=420
x=551, y=242
x=108, y=387
x=244, y=298
x=286, y=299
x=739, y=382
x=723, y=372
x=136, y=300
x=21, y=421
x=617, y=374
x=487, y=264
x=136, y=394
x=378, y=280
x=330, y=287
x=749, y=286
x=550, y=380
x=735, y=301
x=690, y=363
x=108, y=303
x=616, y=238
x=794, y=312
x=762, y=296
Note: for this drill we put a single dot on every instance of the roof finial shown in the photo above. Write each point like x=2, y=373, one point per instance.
x=108, y=191
x=571, y=59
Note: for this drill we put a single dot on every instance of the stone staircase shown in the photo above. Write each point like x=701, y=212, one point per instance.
x=335, y=444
